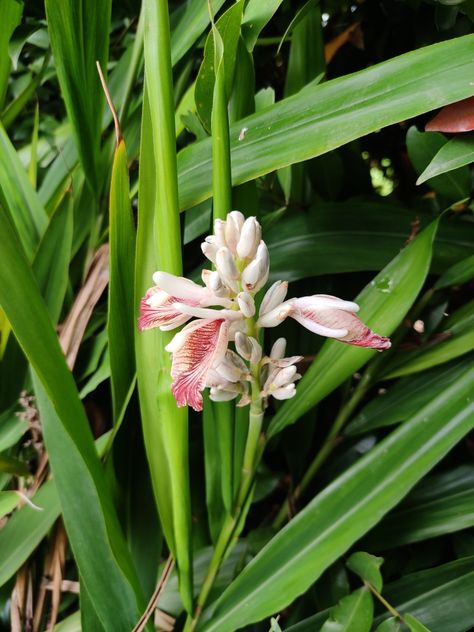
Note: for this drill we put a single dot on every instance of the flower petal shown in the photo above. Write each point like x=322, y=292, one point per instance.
x=200, y=346
x=157, y=309
x=335, y=318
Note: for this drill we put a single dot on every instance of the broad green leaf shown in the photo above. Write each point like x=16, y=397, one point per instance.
x=405, y=397
x=228, y=27
x=121, y=313
x=455, y=339
x=384, y=302
x=441, y=504
x=340, y=514
x=457, y=152
x=310, y=624
x=422, y=146
x=257, y=14
x=23, y=532
x=389, y=625
x=459, y=273
x=17, y=195
x=165, y=426
x=90, y=517
x=433, y=595
x=355, y=236
x=414, y=624
x=367, y=566
x=322, y=118
x=354, y=613
x=10, y=17
x=79, y=34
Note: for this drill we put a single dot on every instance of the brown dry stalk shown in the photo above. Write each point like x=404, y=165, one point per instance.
x=165, y=575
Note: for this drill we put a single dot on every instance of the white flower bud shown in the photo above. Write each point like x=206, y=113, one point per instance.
x=286, y=392
x=263, y=259
x=209, y=250
x=256, y=354
x=250, y=236
x=218, y=395
x=278, y=349
x=243, y=345
x=276, y=316
x=233, y=226
x=250, y=275
x=283, y=377
x=274, y=296
x=225, y=264
x=246, y=304
x=219, y=232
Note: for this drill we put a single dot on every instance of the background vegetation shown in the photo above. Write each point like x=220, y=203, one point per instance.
x=372, y=459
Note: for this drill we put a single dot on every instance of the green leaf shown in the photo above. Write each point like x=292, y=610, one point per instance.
x=354, y=613
x=459, y=273
x=441, y=504
x=10, y=17
x=12, y=428
x=389, y=625
x=406, y=397
x=165, y=426
x=8, y=502
x=455, y=339
x=79, y=35
x=355, y=236
x=51, y=262
x=121, y=322
x=90, y=517
x=456, y=153
x=346, y=509
x=298, y=128
x=367, y=567
x=422, y=146
x=433, y=595
x=384, y=302
x=23, y=532
x=17, y=195
x=257, y=14
x=228, y=27
x=414, y=624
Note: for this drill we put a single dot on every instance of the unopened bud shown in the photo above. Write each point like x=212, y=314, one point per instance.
x=209, y=249
x=219, y=232
x=233, y=226
x=278, y=349
x=242, y=344
x=285, y=392
x=263, y=259
x=283, y=377
x=274, y=296
x=226, y=264
x=276, y=316
x=246, y=304
x=250, y=236
x=250, y=275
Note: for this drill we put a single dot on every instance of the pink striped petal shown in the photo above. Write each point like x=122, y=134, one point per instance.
x=157, y=310
x=332, y=317
x=200, y=346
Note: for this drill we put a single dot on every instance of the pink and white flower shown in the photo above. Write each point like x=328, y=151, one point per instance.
x=224, y=309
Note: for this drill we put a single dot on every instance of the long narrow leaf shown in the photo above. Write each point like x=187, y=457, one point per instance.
x=345, y=510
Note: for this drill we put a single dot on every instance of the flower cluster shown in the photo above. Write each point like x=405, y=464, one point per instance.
x=224, y=311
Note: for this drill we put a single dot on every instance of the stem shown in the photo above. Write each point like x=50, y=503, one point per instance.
x=228, y=533
x=384, y=602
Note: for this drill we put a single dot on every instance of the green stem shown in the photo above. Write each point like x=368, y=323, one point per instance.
x=229, y=531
